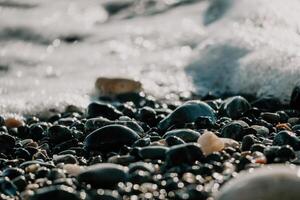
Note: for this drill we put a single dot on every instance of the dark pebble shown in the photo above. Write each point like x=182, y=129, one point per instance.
x=295, y=98
x=59, y=133
x=103, y=175
x=183, y=154
x=7, y=142
x=234, y=130
x=7, y=187
x=186, y=135
x=174, y=140
x=110, y=138
x=103, y=110
x=153, y=152
x=187, y=113
x=235, y=107
x=60, y=192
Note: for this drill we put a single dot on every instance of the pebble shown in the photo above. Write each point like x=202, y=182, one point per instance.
x=234, y=130
x=295, y=98
x=110, y=138
x=60, y=192
x=153, y=152
x=115, y=86
x=104, y=175
x=59, y=134
x=7, y=187
x=187, y=113
x=210, y=143
x=12, y=122
x=7, y=142
x=97, y=109
x=276, y=182
x=235, y=107
x=72, y=169
x=187, y=135
x=287, y=138
x=184, y=154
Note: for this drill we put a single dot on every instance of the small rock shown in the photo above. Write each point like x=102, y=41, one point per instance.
x=96, y=109
x=153, y=152
x=105, y=175
x=114, y=86
x=210, y=143
x=234, y=130
x=60, y=192
x=187, y=113
x=276, y=182
x=66, y=158
x=186, y=135
x=13, y=122
x=110, y=138
x=295, y=98
x=184, y=154
x=72, y=169
x=174, y=140
x=235, y=107
x=59, y=133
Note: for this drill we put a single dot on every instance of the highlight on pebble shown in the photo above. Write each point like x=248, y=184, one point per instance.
x=149, y=100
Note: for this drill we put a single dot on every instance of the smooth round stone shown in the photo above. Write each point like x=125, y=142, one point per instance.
x=66, y=158
x=287, y=138
x=7, y=142
x=60, y=192
x=96, y=109
x=295, y=98
x=235, y=107
x=247, y=142
x=153, y=152
x=59, y=134
x=99, y=122
x=13, y=122
x=234, y=130
x=184, y=154
x=270, y=117
x=7, y=187
x=141, y=166
x=272, y=182
x=210, y=143
x=174, y=140
x=186, y=135
x=12, y=173
x=187, y=113
x=2, y=121
x=110, y=138
x=260, y=130
x=103, y=175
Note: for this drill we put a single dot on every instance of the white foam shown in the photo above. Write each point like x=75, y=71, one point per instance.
x=220, y=45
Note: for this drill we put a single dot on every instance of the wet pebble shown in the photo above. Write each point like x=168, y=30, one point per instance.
x=97, y=109
x=184, y=154
x=103, y=175
x=235, y=107
x=186, y=113
x=186, y=135
x=60, y=192
x=153, y=152
x=274, y=182
x=234, y=130
x=110, y=138
x=210, y=143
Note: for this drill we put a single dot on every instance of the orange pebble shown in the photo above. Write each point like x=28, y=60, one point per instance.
x=13, y=122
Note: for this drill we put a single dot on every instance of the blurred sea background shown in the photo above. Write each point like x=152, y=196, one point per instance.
x=51, y=52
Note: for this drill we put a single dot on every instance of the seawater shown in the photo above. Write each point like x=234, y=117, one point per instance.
x=51, y=52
